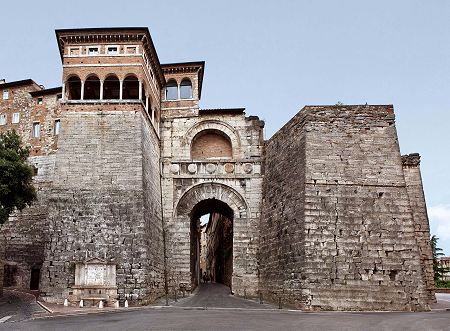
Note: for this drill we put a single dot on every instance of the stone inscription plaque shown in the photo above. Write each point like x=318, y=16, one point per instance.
x=95, y=274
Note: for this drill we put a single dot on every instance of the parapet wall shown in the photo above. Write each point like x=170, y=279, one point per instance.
x=351, y=245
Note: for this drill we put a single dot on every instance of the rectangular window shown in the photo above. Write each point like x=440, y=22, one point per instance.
x=36, y=129
x=112, y=50
x=131, y=50
x=5, y=94
x=74, y=51
x=15, y=118
x=93, y=51
x=40, y=101
x=2, y=119
x=57, y=127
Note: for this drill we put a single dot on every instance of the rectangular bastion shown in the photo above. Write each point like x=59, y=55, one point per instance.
x=337, y=226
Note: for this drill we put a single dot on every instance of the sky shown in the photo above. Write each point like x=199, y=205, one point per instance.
x=274, y=57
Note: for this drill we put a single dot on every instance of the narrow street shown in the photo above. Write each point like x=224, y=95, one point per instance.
x=214, y=295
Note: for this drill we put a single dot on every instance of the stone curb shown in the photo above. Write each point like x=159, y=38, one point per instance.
x=87, y=312
x=44, y=307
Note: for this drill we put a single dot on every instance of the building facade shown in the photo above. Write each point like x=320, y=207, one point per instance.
x=324, y=215
x=444, y=262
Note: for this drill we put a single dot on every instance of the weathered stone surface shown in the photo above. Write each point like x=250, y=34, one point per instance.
x=413, y=179
x=337, y=230
x=224, y=179
x=105, y=202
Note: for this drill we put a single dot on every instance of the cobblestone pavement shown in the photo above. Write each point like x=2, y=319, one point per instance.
x=215, y=295
x=17, y=306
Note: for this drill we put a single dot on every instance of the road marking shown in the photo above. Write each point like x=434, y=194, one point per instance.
x=4, y=319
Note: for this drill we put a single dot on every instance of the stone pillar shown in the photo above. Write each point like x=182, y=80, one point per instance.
x=101, y=90
x=140, y=90
x=82, y=90
x=146, y=104
x=63, y=92
x=121, y=89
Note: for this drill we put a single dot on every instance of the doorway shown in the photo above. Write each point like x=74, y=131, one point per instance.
x=34, y=280
x=211, y=237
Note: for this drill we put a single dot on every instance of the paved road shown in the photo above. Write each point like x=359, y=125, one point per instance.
x=445, y=297
x=218, y=296
x=243, y=318
x=227, y=319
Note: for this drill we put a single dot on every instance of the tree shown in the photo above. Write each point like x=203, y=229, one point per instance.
x=16, y=187
x=438, y=270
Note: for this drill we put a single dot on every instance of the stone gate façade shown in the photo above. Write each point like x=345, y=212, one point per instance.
x=326, y=214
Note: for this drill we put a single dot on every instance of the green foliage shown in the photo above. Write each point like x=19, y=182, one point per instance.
x=438, y=270
x=16, y=188
x=442, y=283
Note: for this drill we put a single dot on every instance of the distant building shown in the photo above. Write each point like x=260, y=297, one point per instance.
x=444, y=262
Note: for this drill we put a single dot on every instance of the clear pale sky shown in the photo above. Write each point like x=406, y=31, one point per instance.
x=274, y=57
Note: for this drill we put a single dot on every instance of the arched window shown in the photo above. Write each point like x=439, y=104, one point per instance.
x=211, y=144
x=186, y=89
x=172, y=90
x=73, y=87
x=92, y=88
x=111, y=88
x=130, y=88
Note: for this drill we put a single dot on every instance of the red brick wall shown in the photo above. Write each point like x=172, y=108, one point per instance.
x=210, y=145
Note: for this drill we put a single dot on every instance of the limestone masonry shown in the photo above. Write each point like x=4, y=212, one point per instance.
x=325, y=215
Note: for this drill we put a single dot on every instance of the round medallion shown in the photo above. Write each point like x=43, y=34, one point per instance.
x=229, y=167
x=247, y=167
x=174, y=168
x=192, y=168
x=211, y=167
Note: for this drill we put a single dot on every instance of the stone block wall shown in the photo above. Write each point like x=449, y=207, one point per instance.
x=413, y=178
x=152, y=211
x=103, y=203
x=25, y=234
x=352, y=244
x=282, y=226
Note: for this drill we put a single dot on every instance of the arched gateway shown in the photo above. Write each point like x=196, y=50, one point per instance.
x=212, y=193
x=225, y=243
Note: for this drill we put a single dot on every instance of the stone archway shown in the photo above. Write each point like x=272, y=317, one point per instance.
x=211, y=190
x=223, y=200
